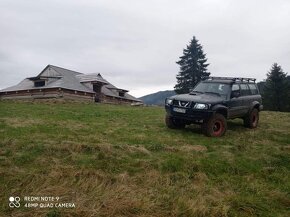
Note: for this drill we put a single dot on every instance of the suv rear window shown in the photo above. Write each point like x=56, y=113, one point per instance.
x=253, y=89
x=245, y=90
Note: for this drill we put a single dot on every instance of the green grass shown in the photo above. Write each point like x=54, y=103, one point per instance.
x=122, y=161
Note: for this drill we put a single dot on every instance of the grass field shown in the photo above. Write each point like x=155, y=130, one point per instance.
x=122, y=161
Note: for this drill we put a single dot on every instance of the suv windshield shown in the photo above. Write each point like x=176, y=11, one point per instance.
x=212, y=88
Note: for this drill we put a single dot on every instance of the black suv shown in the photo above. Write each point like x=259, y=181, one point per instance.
x=214, y=100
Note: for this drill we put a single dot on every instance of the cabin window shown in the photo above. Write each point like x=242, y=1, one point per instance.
x=97, y=88
x=121, y=94
x=39, y=83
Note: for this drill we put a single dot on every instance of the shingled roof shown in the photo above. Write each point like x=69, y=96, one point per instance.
x=68, y=79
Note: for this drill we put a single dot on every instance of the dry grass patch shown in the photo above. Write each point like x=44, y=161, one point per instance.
x=189, y=148
x=94, y=193
x=72, y=125
x=136, y=149
x=186, y=148
x=286, y=148
x=22, y=122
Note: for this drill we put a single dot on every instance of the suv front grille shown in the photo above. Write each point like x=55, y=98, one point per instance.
x=183, y=104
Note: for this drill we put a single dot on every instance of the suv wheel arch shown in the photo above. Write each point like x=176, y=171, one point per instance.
x=255, y=105
x=219, y=109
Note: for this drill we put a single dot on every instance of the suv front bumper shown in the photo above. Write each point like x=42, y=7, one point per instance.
x=193, y=115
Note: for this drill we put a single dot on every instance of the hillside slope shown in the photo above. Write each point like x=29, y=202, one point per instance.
x=122, y=161
x=157, y=98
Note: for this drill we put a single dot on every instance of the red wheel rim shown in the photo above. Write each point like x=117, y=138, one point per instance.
x=254, y=120
x=217, y=127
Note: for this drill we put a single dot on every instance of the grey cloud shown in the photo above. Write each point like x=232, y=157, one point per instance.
x=135, y=44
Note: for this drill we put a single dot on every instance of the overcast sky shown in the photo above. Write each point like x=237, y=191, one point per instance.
x=134, y=44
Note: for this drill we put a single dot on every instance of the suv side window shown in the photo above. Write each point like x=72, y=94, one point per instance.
x=253, y=89
x=245, y=91
x=235, y=91
x=235, y=87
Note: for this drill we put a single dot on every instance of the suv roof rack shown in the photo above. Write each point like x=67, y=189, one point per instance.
x=232, y=78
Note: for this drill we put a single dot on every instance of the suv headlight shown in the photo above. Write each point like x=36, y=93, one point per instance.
x=201, y=106
x=169, y=101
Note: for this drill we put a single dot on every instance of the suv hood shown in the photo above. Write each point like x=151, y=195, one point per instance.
x=207, y=98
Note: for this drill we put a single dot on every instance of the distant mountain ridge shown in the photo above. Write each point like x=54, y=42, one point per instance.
x=157, y=98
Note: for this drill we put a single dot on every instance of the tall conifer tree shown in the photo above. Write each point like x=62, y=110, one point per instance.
x=193, y=67
x=276, y=93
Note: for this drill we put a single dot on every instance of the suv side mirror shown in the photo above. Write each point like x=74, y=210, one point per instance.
x=235, y=94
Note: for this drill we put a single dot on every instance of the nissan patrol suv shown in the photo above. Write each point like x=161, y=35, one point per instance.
x=212, y=102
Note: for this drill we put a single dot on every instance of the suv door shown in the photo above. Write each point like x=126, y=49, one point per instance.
x=235, y=102
x=246, y=98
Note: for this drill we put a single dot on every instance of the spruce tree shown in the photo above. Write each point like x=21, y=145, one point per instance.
x=276, y=90
x=193, y=67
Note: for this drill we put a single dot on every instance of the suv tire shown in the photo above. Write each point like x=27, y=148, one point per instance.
x=252, y=119
x=173, y=123
x=216, y=126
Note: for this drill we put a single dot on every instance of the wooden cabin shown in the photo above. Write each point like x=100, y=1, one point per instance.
x=54, y=82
